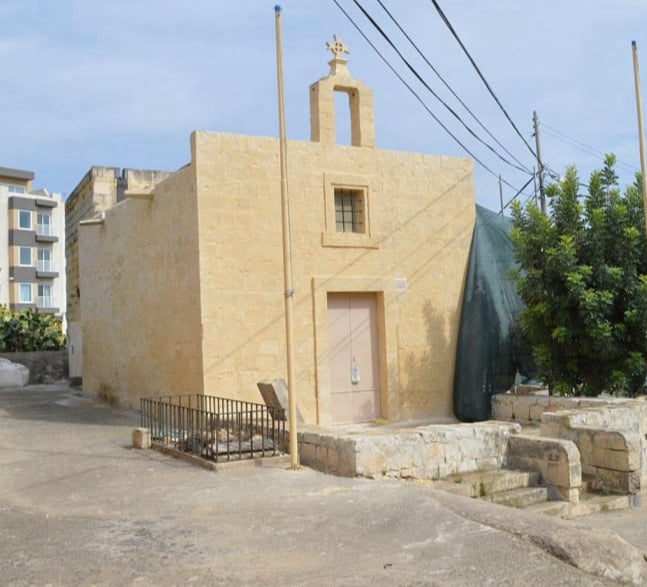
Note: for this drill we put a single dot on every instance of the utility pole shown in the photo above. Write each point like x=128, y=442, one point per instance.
x=540, y=165
x=287, y=256
x=641, y=132
x=501, y=194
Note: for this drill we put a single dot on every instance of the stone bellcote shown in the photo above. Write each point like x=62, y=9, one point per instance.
x=322, y=102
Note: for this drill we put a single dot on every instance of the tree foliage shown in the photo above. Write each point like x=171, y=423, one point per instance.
x=27, y=330
x=583, y=279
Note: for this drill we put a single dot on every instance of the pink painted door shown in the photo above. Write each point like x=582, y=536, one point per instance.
x=354, y=353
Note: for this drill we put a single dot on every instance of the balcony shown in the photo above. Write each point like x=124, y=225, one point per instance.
x=46, y=268
x=45, y=232
x=47, y=303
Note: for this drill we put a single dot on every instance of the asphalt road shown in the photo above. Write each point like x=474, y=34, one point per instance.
x=79, y=506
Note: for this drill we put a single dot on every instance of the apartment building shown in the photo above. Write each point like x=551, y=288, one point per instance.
x=32, y=262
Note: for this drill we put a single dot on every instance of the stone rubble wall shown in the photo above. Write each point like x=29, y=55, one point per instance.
x=430, y=452
x=557, y=460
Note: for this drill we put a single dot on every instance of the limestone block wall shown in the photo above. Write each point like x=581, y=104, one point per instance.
x=95, y=193
x=99, y=190
x=141, y=302
x=429, y=452
x=611, y=445
x=413, y=255
x=528, y=409
x=610, y=433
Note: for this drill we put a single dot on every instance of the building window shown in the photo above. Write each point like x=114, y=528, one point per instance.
x=45, y=260
x=44, y=226
x=13, y=188
x=45, y=296
x=25, y=295
x=349, y=210
x=25, y=257
x=24, y=219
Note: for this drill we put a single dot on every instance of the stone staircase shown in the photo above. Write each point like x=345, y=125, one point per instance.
x=522, y=489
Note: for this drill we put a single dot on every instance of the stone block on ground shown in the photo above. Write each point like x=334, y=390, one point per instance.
x=141, y=438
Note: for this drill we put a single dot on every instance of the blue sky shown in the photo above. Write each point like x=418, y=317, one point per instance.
x=124, y=82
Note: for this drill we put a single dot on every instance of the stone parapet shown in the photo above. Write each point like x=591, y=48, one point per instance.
x=427, y=452
x=528, y=409
x=612, y=459
x=557, y=460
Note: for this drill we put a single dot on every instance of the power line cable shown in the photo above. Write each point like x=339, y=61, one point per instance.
x=476, y=67
x=451, y=90
x=559, y=135
x=417, y=96
x=433, y=93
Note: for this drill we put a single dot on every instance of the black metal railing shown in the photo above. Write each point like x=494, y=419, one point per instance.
x=214, y=428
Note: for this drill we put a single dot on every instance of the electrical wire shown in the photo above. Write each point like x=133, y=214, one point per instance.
x=433, y=93
x=573, y=142
x=451, y=90
x=476, y=67
x=417, y=96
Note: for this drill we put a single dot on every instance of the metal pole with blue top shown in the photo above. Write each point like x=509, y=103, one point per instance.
x=287, y=257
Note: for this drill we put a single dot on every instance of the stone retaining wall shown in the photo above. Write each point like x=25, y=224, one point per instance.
x=429, y=452
x=44, y=366
x=613, y=458
x=611, y=434
x=527, y=409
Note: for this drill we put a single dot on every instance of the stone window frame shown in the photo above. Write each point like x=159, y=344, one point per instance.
x=330, y=237
x=351, y=203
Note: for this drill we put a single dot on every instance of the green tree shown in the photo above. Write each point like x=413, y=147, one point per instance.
x=27, y=330
x=583, y=279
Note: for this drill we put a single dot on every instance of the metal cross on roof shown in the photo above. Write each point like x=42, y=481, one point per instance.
x=337, y=47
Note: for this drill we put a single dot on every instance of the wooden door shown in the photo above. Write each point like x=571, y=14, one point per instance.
x=354, y=357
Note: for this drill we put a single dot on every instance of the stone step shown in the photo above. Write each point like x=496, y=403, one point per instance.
x=521, y=497
x=593, y=504
x=487, y=482
x=551, y=508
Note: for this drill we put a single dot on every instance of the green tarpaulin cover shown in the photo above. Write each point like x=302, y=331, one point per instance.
x=489, y=348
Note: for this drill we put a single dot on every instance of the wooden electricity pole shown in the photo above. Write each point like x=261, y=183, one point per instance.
x=641, y=132
x=540, y=165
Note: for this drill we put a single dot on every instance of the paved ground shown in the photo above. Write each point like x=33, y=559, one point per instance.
x=78, y=506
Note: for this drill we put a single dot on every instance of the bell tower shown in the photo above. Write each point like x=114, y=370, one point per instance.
x=322, y=102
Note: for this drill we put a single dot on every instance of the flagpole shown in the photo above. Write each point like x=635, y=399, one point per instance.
x=287, y=259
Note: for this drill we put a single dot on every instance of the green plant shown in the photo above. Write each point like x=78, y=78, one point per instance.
x=27, y=330
x=583, y=279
